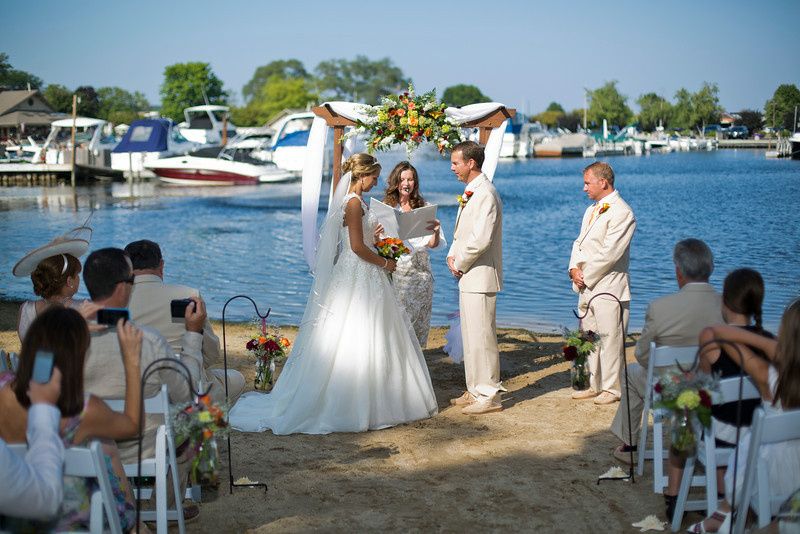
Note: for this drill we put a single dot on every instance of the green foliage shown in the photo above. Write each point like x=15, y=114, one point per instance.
x=360, y=80
x=59, y=98
x=555, y=106
x=682, y=110
x=779, y=110
x=463, y=95
x=184, y=85
x=655, y=110
x=549, y=118
x=283, y=68
x=572, y=121
x=696, y=110
x=11, y=78
x=275, y=95
x=88, y=101
x=607, y=103
x=752, y=119
x=120, y=106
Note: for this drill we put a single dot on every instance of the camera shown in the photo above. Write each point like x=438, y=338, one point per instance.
x=110, y=316
x=178, y=307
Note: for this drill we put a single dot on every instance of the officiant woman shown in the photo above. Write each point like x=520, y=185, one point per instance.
x=413, y=279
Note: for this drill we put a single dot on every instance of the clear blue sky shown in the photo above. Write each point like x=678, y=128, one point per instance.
x=524, y=54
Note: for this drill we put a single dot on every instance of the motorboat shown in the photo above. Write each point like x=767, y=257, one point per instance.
x=518, y=138
x=794, y=144
x=205, y=124
x=218, y=166
x=147, y=140
x=288, y=145
x=564, y=145
x=93, y=145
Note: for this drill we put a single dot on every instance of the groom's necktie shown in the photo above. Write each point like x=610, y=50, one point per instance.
x=594, y=214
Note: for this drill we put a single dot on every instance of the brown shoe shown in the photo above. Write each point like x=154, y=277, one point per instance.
x=585, y=394
x=190, y=511
x=464, y=400
x=606, y=398
x=480, y=407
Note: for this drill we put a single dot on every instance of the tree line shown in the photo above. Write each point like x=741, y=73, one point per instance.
x=287, y=83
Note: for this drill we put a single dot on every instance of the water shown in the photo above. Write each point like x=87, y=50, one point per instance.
x=246, y=240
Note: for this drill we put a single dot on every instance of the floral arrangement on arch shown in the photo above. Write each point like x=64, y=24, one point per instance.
x=196, y=424
x=411, y=119
x=267, y=347
x=688, y=396
x=580, y=343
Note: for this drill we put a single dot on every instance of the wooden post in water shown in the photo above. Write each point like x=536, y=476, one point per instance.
x=224, y=129
x=74, y=118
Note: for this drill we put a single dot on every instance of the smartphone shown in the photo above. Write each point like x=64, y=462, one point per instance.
x=42, y=367
x=178, y=307
x=110, y=316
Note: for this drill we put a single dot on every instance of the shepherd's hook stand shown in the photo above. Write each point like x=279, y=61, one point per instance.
x=625, y=366
x=263, y=318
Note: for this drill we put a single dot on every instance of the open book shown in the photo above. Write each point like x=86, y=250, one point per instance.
x=403, y=225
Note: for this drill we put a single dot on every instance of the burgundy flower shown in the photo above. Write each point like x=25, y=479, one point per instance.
x=590, y=335
x=272, y=346
x=657, y=387
x=570, y=352
x=252, y=344
x=705, y=398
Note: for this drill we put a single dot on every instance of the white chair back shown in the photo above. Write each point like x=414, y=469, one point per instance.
x=766, y=430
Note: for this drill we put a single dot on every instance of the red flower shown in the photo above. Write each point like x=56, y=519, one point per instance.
x=657, y=387
x=705, y=398
x=570, y=352
x=252, y=344
x=272, y=346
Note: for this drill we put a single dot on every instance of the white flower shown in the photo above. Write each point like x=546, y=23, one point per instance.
x=387, y=140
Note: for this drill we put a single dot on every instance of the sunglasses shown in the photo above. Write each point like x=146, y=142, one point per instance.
x=128, y=280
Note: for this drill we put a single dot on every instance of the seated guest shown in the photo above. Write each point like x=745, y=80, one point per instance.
x=742, y=296
x=108, y=276
x=55, y=273
x=778, y=379
x=150, y=306
x=64, y=333
x=32, y=485
x=674, y=320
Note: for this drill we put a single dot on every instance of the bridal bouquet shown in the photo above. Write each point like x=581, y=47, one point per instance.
x=579, y=345
x=267, y=348
x=391, y=248
x=411, y=119
x=688, y=396
x=196, y=425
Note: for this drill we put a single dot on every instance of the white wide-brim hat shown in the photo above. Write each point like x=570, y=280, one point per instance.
x=75, y=242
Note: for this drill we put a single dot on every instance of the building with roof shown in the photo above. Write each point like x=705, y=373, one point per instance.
x=25, y=113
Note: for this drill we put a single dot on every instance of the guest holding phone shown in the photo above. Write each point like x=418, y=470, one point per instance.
x=413, y=278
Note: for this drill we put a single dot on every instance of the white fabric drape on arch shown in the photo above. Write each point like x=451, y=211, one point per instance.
x=315, y=158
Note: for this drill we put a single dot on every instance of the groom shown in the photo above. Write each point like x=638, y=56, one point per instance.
x=476, y=260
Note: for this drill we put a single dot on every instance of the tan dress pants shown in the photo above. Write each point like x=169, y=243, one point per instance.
x=637, y=383
x=605, y=362
x=479, y=335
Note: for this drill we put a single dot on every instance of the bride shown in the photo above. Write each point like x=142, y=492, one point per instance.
x=356, y=364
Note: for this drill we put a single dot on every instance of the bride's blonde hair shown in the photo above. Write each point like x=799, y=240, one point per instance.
x=361, y=165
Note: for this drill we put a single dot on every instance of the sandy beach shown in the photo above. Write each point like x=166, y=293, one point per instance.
x=532, y=467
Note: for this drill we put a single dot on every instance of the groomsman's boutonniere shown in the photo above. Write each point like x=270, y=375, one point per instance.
x=604, y=208
x=463, y=199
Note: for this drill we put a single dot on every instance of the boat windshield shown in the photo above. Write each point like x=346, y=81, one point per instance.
x=200, y=120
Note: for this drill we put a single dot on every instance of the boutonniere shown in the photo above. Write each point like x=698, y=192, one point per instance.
x=463, y=199
x=604, y=208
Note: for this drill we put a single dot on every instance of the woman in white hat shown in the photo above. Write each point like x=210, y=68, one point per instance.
x=55, y=272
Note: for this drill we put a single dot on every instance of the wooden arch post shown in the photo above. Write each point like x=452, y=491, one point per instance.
x=485, y=125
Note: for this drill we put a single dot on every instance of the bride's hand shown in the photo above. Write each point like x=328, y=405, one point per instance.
x=391, y=265
x=378, y=232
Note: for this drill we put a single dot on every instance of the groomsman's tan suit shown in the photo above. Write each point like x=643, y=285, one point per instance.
x=150, y=306
x=602, y=251
x=477, y=250
x=674, y=320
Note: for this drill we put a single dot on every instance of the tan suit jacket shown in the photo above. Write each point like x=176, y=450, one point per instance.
x=478, y=239
x=602, y=250
x=677, y=319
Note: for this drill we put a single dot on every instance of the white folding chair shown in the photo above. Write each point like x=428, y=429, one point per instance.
x=709, y=455
x=766, y=430
x=158, y=466
x=8, y=361
x=88, y=462
x=660, y=358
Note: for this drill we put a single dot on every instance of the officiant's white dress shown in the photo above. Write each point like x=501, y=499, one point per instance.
x=356, y=364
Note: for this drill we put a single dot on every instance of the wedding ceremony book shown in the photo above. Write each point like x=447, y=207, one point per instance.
x=400, y=224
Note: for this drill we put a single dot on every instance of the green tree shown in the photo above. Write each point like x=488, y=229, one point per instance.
x=184, y=86
x=13, y=79
x=59, y=98
x=88, y=101
x=752, y=119
x=549, y=118
x=463, y=95
x=654, y=111
x=682, y=109
x=705, y=106
x=283, y=68
x=572, y=121
x=360, y=80
x=275, y=95
x=555, y=106
x=779, y=110
x=120, y=106
x=607, y=103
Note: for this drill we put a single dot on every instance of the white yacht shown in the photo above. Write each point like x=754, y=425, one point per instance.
x=204, y=124
x=147, y=140
x=93, y=144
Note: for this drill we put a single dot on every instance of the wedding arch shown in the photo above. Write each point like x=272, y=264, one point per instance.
x=487, y=117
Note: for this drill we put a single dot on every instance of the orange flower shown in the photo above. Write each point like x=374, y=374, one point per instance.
x=207, y=434
x=411, y=105
x=413, y=121
x=261, y=340
x=205, y=399
x=400, y=112
x=428, y=132
x=285, y=342
x=604, y=208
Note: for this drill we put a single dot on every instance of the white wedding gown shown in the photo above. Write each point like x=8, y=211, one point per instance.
x=356, y=364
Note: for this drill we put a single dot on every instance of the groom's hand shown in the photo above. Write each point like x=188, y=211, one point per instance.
x=576, y=274
x=451, y=264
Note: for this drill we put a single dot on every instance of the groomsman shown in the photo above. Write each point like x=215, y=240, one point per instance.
x=599, y=264
x=476, y=260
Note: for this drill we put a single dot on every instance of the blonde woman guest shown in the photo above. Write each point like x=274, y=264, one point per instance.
x=55, y=274
x=413, y=278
